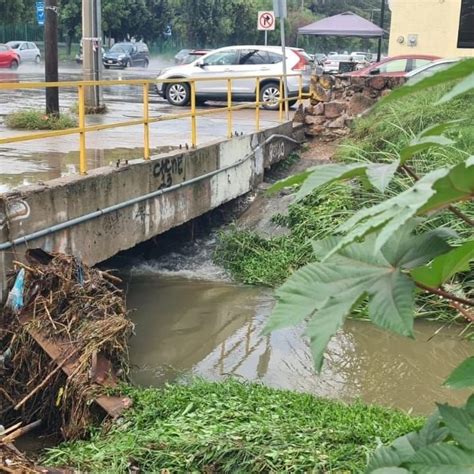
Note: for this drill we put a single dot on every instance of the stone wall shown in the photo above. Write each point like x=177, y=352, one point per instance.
x=337, y=100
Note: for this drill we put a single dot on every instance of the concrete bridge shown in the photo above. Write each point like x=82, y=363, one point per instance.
x=114, y=208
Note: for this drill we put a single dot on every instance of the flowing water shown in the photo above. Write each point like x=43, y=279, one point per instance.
x=191, y=320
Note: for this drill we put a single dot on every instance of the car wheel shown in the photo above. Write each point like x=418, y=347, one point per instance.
x=178, y=94
x=127, y=64
x=106, y=67
x=14, y=64
x=146, y=63
x=37, y=59
x=270, y=95
x=291, y=103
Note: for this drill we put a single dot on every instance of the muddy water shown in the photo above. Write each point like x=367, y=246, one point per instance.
x=186, y=325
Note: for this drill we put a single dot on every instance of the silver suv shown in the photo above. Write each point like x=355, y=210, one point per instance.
x=235, y=61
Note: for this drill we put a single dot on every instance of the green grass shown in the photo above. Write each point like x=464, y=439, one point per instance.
x=38, y=120
x=378, y=137
x=232, y=427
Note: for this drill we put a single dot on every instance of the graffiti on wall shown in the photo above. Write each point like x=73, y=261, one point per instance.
x=169, y=171
x=277, y=151
x=16, y=210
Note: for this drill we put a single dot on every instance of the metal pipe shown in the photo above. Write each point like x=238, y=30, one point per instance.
x=146, y=123
x=229, y=108
x=116, y=207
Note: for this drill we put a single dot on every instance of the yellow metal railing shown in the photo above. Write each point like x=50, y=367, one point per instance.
x=82, y=129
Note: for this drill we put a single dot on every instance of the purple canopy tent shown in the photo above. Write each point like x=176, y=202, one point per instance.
x=344, y=24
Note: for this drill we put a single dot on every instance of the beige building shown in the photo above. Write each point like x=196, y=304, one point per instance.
x=441, y=27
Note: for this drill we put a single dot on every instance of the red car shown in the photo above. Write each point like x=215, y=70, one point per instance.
x=8, y=57
x=396, y=65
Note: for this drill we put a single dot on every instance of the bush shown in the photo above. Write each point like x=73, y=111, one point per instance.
x=38, y=120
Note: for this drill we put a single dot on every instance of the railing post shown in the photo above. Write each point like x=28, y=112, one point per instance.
x=229, y=108
x=146, y=125
x=193, y=115
x=82, y=133
x=280, y=102
x=257, y=105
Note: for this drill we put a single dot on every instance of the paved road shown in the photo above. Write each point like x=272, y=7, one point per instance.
x=40, y=160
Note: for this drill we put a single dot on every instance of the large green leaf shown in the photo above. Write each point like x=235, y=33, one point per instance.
x=463, y=375
x=442, y=459
x=433, y=192
x=326, y=174
x=445, y=266
x=460, y=424
x=461, y=88
x=460, y=70
x=328, y=291
x=290, y=181
x=395, y=454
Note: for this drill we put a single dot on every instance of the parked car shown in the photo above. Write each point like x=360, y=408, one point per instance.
x=431, y=68
x=331, y=64
x=27, y=51
x=235, y=61
x=396, y=65
x=124, y=55
x=8, y=57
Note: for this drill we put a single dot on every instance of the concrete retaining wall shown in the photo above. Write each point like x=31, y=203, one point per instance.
x=233, y=167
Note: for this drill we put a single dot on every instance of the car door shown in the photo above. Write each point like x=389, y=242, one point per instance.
x=252, y=62
x=218, y=65
x=23, y=51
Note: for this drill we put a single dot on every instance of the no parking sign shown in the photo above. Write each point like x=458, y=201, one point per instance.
x=266, y=21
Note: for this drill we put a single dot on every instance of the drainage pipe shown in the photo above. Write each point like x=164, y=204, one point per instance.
x=107, y=210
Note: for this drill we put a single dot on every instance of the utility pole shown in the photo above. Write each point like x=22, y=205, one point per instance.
x=382, y=18
x=51, y=55
x=92, y=52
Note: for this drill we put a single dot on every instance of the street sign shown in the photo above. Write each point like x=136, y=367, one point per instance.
x=40, y=13
x=266, y=21
x=279, y=7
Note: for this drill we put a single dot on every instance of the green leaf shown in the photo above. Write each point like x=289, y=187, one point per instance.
x=327, y=322
x=380, y=175
x=433, y=192
x=463, y=375
x=445, y=266
x=440, y=128
x=328, y=291
x=288, y=182
x=432, y=432
x=390, y=470
x=326, y=174
x=395, y=454
x=458, y=71
x=459, y=423
x=422, y=143
x=461, y=88
x=442, y=459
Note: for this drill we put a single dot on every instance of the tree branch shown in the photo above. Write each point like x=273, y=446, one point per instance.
x=445, y=294
x=469, y=315
x=453, y=209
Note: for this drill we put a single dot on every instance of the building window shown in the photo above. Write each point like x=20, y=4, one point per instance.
x=466, y=25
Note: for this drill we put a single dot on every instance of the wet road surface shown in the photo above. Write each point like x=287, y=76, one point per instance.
x=40, y=160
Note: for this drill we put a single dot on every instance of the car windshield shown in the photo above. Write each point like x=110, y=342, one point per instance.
x=339, y=57
x=14, y=45
x=120, y=48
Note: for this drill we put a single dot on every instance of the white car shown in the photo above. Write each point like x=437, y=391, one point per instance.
x=27, y=51
x=429, y=69
x=235, y=61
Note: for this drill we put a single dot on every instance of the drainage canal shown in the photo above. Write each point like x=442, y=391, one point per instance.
x=191, y=320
